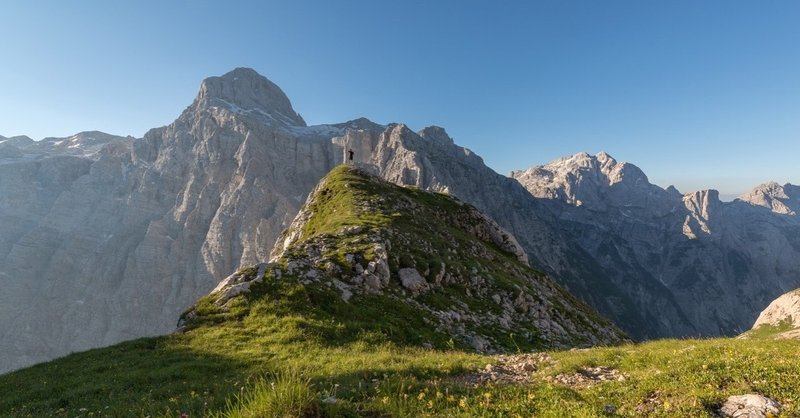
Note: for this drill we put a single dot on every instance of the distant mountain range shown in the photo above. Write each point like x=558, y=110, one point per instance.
x=719, y=262
x=105, y=238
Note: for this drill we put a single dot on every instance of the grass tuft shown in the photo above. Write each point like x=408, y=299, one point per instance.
x=286, y=394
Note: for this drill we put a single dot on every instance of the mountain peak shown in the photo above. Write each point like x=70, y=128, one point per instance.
x=779, y=320
x=779, y=199
x=603, y=157
x=243, y=90
x=584, y=161
x=597, y=182
x=601, y=168
x=437, y=134
x=19, y=140
x=770, y=188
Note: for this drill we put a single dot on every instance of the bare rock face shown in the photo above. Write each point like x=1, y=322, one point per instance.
x=715, y=264
x=779, y=320
x=783, y=200
x=783, y=309
x=104, y=239
x=245, y=91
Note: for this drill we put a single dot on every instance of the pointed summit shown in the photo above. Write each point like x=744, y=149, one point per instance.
x=243, y=90
x=437, y=134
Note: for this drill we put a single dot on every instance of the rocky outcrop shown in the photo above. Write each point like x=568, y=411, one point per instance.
x=714, y=265
x=750, y=406
x=412, y=280
x=783, y=309
x=781, y=319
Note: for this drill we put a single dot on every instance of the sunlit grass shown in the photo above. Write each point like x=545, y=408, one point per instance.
x=286, y=394
x=239, y=370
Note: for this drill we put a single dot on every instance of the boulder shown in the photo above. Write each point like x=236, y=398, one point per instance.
x=750, y=406
x=412, y=280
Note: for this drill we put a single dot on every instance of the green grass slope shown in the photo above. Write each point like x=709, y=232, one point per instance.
x=307, y=335
x=281, y=369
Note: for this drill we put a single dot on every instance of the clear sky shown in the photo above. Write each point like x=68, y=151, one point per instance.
x=700, y=94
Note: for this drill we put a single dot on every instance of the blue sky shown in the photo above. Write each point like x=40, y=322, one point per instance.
x=700, y=94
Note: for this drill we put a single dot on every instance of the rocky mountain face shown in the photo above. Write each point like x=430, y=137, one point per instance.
x=114, y=238
x=119, y=242
x=106, y=239
x=719, y=262
x=360, y=241
x=48, y=192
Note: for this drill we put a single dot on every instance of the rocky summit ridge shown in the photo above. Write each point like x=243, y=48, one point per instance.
x=781, y=199
x=360, y=241
x=245, y=91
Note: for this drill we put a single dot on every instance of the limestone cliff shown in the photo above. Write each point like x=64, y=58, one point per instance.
x=105, y=239
x=779, y=320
